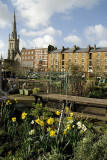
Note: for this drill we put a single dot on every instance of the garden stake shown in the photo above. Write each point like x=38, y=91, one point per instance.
x=61, y=119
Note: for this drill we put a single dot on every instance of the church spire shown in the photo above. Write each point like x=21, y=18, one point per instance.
x=14, y=31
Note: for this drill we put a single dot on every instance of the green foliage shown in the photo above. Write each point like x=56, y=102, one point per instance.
x=92, y=147
x=36, y=90
x=95, y=94
x=37, y=110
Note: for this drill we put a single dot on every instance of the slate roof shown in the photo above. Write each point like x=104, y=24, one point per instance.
x=81, y=50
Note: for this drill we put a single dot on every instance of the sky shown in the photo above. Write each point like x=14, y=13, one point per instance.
x=56, y=22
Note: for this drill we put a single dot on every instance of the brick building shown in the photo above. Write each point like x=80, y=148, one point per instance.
x=36, y=59
x=91, y=59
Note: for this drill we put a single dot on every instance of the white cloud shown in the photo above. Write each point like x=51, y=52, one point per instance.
x=49, y=31
x=39, y=42
x=39, y=12
x=97, y=32
x=2, y=45
x=22, y=44
x=74, y=39
x=102, y=43
x=4, y=15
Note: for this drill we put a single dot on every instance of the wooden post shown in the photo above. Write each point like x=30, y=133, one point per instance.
x=47, y=87
x=0, y=76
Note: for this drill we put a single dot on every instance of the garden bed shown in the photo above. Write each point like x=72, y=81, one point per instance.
x=39, y=134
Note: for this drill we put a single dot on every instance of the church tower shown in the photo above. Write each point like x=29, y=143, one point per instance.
x=13, y=41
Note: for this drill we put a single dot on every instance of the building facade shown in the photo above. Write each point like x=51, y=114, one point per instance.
x=91, y=59
x=36, y=59
x=13, y=41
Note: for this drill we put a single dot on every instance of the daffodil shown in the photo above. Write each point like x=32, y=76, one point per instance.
x=14, y=119
x=31, y=132
x=52, y=133
x=58, y=113
x=65, y=132
x=48, y=129
x=42, y=123
x=38, y=121
x=68, y=127
x=69, y=118
x=71, y=114
x=67, y=109
x=32, y=122
x=24, y=115
x=50, y=121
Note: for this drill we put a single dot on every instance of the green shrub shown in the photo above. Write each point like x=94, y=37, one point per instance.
x=36, y=90
x=95, y=94
x=92, y=147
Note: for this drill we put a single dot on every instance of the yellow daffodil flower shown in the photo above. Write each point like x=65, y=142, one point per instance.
x=71, y=114
x=42, y=123
x=14, y=119
x=68, y=127
x=48, y=129
x=69, y=118
x=67, y=109
x=38, y=121
x=24, y=115
x=52, y=133
x=58, y=113
x=50, y=121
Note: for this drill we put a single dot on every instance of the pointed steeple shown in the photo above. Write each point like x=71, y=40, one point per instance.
x=14, y=31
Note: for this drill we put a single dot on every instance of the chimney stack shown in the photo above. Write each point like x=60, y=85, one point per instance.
x=74, y=48
x=94, y=46
x=63, y=48
x=89, y=47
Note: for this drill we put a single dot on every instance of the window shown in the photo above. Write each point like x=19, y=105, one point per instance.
x=76, y=54
x=62, y=62
x=69, y=54
x=105, y=54
x=28, y=52
x=98, y=60
x=42, y=52
x=56, y=60
x=31, y=57
x=98, y=67
x=105, y=66
x=22, y=57
x=51, y=66
x=22, y=52
x=56, y=67
x=31, y=52
x=90, y=56
x=25, y=57
x=51, y=60
x=51, y=55
x=62, y=56
x=25, y=52
x=82, y=60
x=56, y=55
x=35, y=52
x=82, y=54
x=90, y=63
x=98, y=54
x=75, y=60
x=28, y=57
x=69, y=60
x=106, y=60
